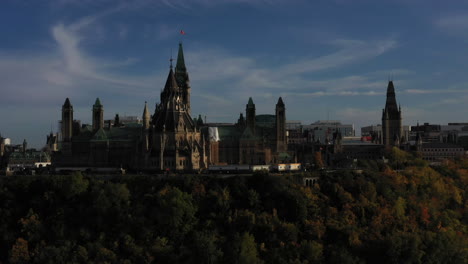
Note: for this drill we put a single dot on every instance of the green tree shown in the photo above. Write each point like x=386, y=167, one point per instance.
x=248, y=250
x=205, y=249
x=175, y=212
x=312, y=251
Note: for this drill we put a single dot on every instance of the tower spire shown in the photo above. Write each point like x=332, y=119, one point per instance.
x=182, y=79
x=146, y=117
x=180, y=66
x=98, y=115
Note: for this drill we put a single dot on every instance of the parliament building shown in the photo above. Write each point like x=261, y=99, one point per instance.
x=170, y=139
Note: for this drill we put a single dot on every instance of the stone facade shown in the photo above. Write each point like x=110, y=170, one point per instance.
x=169, y=140
x=257, y=139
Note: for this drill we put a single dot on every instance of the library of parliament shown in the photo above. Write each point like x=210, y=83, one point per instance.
x=170, y=139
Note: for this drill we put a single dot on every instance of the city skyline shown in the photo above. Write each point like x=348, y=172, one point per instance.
x=327, y=60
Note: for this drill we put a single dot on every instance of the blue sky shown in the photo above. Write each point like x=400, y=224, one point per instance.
x=325, y=58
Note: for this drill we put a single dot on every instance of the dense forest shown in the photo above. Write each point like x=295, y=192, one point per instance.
x=401, y=212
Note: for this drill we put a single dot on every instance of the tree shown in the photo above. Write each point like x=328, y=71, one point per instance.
x=20, y=252
x=175, y=212
x=312, y=251
x=205, y=248
x=248, y=250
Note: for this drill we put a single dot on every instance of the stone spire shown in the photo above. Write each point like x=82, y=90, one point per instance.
x=281, y=142
x=280, y=102
x=250, y=103
x=180, y=66
x=182, y=78
x=172, y=113
x=25, y=145
x=171, y=83
x=392, y=130
x=146, y=117
x=391, y=106
x=67, y=121
x=250, y=115
x=98, y=115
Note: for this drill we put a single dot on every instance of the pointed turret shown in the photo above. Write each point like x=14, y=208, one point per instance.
x=171, y=83
x=280, y=102
x=98, y=115
x=391, y=104
x=67, y=103
x=146, y=117
x=391, y=118
x=199, y=121
x=250, y=103
x=250, y=115
x=97, y=103
x=67, y=121
x=182, y=78
x=171, y=113
x=25, y=145
x=281, y=142
x=241, y=121
x=180, y=66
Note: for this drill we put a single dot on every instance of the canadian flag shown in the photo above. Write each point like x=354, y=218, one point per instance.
x=182, y=32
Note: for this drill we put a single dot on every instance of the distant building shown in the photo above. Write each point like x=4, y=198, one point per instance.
x=373, y=133
x=428, y=132
x=28, y=160
x=355, y=148
x=455, y=133
x=18, y=158
x=436, y=152
x=295, y=132
x=322, y=131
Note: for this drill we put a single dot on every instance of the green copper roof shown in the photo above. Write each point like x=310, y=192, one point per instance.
x=265, y=120
x=97, y=103
x=67, y=103
x=248, y=134
x=229, y=132
x=180, y=66
x=100, y=135
x=250, y=101
x=36, y=155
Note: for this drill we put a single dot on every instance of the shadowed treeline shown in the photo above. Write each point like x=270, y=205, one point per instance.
x=415, y=215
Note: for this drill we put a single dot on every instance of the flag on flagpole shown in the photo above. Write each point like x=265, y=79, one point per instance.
x=182, y=32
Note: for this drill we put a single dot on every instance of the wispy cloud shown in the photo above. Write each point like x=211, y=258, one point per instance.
x=247, y=76
x=453, y=24
x=349, y=51
x=435, y=91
